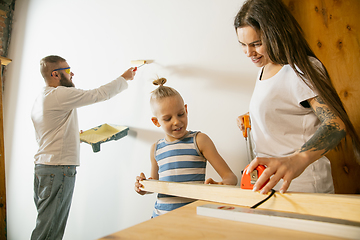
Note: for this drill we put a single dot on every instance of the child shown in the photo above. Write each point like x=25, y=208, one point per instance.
x=181, y=156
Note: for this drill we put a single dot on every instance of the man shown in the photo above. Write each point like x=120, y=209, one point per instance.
x=55, y=120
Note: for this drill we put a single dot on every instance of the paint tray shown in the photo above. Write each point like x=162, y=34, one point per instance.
x=103, y=133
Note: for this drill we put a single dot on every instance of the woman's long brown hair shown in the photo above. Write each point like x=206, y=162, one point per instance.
x=285, y=43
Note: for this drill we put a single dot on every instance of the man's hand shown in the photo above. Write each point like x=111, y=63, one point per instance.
x=129, y=74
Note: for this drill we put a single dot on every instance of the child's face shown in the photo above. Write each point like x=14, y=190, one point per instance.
x=171, y=115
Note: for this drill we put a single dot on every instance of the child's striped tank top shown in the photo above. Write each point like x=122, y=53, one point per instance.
x=178, y=161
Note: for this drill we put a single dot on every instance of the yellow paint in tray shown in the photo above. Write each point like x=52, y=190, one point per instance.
x=103, y=133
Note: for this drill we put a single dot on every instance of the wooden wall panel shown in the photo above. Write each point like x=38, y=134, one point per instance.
x=332, y=28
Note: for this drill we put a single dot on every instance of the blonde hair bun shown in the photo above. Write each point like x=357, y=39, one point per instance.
x=159, y=81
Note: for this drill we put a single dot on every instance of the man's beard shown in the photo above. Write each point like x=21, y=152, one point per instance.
x=66, y=82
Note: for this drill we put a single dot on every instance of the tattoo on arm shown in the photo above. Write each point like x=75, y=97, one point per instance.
x=322, y=111
x=327, y=137
x=329, y=134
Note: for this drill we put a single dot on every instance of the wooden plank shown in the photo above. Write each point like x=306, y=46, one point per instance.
x=293, y=221
x=343, y=206
x=184, y=223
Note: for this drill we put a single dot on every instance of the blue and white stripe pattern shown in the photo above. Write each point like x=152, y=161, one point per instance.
x=178, y=161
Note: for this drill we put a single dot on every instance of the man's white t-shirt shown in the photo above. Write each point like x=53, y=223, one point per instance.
x=55, y=120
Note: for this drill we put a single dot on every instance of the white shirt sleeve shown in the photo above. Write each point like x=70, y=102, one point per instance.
x=69, y=97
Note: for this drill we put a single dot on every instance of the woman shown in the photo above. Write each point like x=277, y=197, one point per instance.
x=296, y=114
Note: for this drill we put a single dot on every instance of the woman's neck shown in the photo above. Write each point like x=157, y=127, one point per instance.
x=270, y=70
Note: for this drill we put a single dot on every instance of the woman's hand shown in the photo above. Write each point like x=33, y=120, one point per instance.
x=240, y=121
x=286, y=168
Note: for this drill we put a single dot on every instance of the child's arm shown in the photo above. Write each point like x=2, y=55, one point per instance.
x=208, y=149
x=154, y=165
x=154, y=173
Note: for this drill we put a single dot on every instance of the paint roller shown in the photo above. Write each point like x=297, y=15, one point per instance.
x=140, y=63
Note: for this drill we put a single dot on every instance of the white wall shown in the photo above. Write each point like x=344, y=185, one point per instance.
x=193, y=44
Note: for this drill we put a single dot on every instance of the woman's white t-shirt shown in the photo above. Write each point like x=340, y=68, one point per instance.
x=281, y=126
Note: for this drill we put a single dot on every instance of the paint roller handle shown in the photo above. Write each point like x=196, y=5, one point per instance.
x=136, y=68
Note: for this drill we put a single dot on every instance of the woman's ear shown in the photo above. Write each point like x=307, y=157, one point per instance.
x=186, y=108
x=155, y=121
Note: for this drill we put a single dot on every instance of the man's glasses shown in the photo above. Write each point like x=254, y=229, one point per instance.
x=67, y=70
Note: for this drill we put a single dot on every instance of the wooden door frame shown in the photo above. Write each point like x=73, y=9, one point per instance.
x=3, y=229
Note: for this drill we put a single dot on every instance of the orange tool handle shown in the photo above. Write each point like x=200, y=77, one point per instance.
x=246, y=119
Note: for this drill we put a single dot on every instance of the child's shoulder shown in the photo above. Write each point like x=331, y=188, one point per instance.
x=203, y=142
x=197, y=135
x=201, y=137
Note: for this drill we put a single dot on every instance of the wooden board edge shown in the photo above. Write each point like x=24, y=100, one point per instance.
x=345, y=207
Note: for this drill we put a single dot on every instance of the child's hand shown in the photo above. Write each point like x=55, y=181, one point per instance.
x=211, y=181
x=138, y=184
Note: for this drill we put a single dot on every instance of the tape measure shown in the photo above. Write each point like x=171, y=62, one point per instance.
x=248, y=180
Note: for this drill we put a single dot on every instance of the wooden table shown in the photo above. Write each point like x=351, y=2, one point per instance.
x=184, y=224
